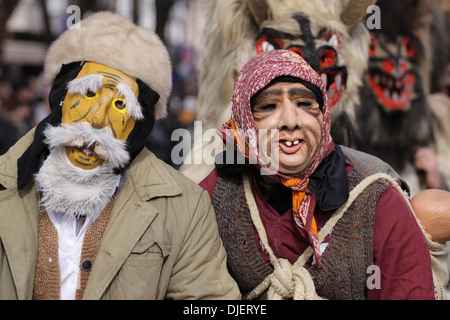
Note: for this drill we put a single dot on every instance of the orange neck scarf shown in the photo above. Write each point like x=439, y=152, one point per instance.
x=301, y=203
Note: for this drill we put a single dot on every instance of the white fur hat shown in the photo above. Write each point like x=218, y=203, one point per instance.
x=110, y=39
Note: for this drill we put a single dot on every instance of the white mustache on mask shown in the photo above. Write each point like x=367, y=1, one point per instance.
x=83, y=134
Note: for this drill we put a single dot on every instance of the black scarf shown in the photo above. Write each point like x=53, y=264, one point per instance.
x=329, y=183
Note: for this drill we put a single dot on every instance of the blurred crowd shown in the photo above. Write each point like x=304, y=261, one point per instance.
x=181, y=111
x=23, y=104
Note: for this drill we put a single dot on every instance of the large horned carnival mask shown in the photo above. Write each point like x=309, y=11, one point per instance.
x=321, y=50
x=328, y=41
x=392, y=74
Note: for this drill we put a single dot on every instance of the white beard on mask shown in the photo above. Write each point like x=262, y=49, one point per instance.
x=73, y=191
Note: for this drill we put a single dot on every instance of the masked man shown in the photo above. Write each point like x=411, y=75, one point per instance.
x=86, y=212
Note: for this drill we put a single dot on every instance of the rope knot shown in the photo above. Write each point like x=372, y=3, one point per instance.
x=291, y=282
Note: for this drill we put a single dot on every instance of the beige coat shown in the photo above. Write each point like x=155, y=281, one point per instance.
x=161, y=242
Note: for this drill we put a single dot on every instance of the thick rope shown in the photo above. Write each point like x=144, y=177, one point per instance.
x=286, y=281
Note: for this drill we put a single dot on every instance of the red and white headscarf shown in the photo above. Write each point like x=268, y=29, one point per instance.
x=240, y=129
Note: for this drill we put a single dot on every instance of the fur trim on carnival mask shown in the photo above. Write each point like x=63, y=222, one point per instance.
x=113, y=40
x=72, y=191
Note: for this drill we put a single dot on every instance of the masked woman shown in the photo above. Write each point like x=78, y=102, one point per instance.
x=303, y=218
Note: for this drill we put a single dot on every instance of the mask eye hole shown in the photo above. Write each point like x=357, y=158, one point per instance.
x=268, y=43
x=91, y=94
x=119, y=105
x=328, y=58
x=410, y=48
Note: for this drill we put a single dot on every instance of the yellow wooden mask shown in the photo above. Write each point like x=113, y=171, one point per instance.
x=105, y=98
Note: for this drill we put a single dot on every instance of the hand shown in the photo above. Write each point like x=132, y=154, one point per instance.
x=425, y=160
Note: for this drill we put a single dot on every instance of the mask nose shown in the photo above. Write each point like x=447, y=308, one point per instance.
x=395, y=67
x=289, y=116
x=99, y=116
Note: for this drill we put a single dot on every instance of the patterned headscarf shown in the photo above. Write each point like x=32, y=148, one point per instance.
x=240, y=129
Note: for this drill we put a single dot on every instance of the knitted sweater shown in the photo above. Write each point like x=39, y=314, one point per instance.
x=344, y=262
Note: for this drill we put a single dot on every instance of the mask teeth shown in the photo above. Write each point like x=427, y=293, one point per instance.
x=100, y=151
x=291, y=143
x=79, y=142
